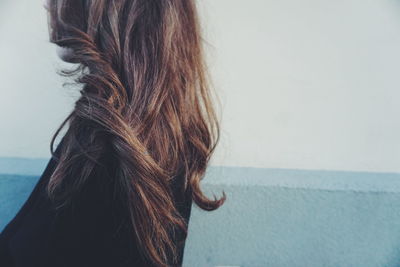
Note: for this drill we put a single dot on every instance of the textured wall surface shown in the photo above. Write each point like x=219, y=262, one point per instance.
x=297, y=218
x=272, y=217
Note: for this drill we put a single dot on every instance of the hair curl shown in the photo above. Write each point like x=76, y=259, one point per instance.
x=145, y=97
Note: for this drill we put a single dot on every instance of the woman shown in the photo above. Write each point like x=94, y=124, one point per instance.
x=119, y=187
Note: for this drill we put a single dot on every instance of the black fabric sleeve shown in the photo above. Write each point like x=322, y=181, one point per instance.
x=93, y=230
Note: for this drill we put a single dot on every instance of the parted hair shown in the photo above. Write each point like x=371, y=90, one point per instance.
x=145, y=95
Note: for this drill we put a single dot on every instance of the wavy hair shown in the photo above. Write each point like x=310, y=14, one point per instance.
x=145, y=96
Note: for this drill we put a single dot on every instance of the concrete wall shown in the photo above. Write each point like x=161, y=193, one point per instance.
x=289, y=218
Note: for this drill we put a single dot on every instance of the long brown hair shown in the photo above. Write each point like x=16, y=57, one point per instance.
x=146, y=95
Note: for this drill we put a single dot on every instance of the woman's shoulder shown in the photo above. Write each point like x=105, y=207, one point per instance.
x=92, y=230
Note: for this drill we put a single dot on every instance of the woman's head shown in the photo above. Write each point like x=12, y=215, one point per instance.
x=145, y=96
x=129, y=31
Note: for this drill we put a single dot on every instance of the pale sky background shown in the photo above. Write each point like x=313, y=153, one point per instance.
x=311, y=84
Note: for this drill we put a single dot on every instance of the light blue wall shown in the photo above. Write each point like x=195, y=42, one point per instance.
x=272, y=217
x=298, y=218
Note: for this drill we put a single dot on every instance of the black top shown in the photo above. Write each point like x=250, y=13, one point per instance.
x=94, y=232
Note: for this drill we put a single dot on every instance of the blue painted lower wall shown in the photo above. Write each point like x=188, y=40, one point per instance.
x=267, y=224
x=274, y=217
x=14, y=191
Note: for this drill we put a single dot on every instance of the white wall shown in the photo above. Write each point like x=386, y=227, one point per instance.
x=32, y=100
x=304, y=84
